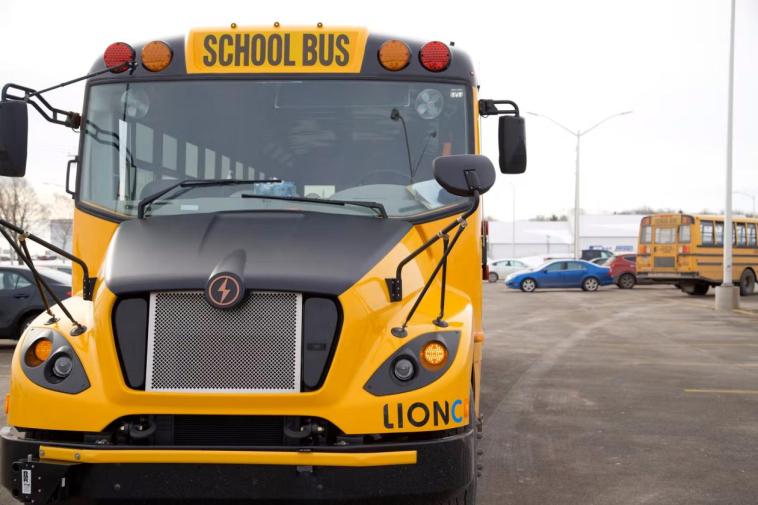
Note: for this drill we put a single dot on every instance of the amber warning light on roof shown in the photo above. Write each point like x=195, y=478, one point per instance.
x=277, y=50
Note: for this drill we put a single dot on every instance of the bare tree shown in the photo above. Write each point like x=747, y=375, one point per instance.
x=19, y=204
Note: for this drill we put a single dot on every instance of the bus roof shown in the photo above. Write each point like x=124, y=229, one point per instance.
x=202, y=46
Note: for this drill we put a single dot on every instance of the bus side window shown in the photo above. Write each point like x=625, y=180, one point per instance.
x=719, y=235
x=646, y=235
x=706, y=232
x=751, y=235
x=684, y=233
x=740, y=235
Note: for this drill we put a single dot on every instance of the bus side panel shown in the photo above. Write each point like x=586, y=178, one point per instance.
x=91, y=236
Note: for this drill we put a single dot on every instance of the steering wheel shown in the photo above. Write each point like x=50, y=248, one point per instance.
x=404, y=175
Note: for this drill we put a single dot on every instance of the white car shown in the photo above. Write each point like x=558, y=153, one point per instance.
x=500, y=269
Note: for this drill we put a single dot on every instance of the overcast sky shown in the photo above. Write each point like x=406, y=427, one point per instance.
x=576, y=61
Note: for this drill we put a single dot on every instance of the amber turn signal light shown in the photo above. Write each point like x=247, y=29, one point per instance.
x=156, y=56
x=394, y=55
x=434, y=354
x=39, y=352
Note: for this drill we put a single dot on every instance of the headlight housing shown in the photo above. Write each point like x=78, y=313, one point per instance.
x=49, y=361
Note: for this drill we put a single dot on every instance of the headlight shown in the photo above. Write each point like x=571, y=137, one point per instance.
x=62, y=366
x=404, y=369
x=48, y=360
x=418, y=363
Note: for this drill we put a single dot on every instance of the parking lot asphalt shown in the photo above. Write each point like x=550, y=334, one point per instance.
x=618, y=397
x=615, y=397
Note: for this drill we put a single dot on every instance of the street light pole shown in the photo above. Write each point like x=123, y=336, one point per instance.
x=578, y=134
x=727, y=295
x=752, y=197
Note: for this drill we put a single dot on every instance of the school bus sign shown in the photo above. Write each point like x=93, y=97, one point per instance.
x=259, y=50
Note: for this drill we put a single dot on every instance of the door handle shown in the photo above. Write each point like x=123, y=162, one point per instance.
x=20, y=296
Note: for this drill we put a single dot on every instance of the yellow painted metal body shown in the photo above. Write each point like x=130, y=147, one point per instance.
x=365, y=342
x=693, y=259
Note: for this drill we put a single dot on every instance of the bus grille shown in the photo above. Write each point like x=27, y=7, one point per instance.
x=664, y=262
x=255, y=347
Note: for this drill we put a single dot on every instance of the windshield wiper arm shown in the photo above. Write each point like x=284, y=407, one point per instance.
x=190, y=183
x=375, y=206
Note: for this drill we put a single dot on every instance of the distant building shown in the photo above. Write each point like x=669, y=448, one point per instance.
x=614, y=232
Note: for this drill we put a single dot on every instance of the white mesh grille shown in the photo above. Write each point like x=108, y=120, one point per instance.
x=255, y=347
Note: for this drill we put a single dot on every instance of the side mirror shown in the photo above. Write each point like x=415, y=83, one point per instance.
x=512, y=142
x=463, y=174
x=14, y=124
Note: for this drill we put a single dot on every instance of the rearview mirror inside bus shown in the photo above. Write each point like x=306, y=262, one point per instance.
x=463, y=174
x=512, y=143
x=13, y=137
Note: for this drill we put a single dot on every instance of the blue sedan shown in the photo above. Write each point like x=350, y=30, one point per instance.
x=561, y=274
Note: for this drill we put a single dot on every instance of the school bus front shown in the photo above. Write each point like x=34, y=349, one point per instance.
x=263, y=211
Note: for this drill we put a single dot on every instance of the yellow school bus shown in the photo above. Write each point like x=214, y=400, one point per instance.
x=278, y=252
x=687, y=251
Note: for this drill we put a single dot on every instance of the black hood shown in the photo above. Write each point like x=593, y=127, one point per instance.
x=281, y=251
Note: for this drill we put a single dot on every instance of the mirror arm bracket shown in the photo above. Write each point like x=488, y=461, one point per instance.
x=395, y=284
x=488, y=107
x=47, y=111
x=88, y=283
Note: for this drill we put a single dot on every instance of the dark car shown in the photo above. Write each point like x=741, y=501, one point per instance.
x=623, y=270
x=596, y=254
x=19, y=300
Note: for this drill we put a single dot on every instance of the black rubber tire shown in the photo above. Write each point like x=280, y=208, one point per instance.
x=493, y=277
x=747, y=283
x=590, y=284
x=23, y=323
x=626, y=281
x=467, y=496
x=528, y=285
x=696, y=289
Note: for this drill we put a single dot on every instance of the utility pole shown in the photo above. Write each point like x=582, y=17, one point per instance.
x=728, y=295
x=578, y=134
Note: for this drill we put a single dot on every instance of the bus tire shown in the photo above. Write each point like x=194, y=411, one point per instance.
x=493, y=277
x=747, y=282
x=695, y=288
x=467, y=496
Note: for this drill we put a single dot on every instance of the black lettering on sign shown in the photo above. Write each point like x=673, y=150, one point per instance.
x=413, y=419
x=274, y=50
x=288, y=61
x=343, y=57
x=225, y=58
x=257, y=50
x=387, y=423
x=209, y=43
x=326, y=49
x=241, y=49
x=309, y=49
x=440, y=413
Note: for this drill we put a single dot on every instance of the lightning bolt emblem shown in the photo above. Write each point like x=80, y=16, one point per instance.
x=224, y=291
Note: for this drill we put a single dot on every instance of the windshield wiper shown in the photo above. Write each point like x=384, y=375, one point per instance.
x=193, y=183
x=375, y=206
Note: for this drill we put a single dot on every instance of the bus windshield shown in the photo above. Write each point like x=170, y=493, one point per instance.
x=322, y=139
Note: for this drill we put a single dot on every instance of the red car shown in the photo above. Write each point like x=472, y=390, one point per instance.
x=623, y=270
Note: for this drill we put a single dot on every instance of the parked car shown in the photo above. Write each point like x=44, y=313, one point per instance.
x=591, y=254
x=20, y=301
x=623, y=270
x=502, y=268
x=561, y=274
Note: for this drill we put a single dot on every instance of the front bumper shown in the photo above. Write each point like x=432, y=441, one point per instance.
x=52, y=473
